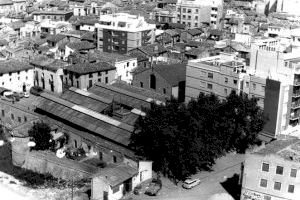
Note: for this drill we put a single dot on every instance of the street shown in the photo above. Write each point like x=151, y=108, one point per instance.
x=224, y=168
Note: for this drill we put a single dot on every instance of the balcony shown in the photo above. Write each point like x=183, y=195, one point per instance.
x=296, y=94
x=294, y=117
x=296, y=82
x=295, y=105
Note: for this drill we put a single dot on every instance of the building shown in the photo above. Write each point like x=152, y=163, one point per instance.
x=48, y=73
x=85, y=75
x=196, y=13
x=288, y=6
x=273, y=172
x=168, y=80
x=30, y=30
x=6, y=6
x=122, y=32
x=53, y=15
x=124, y=64
x=87, y=9
x=16, y=75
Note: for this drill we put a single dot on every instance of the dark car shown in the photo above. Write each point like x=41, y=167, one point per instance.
x=35, y=90
x=154, y=187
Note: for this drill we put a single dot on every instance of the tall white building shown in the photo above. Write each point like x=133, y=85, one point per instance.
x=122, y=32
x=194, y=13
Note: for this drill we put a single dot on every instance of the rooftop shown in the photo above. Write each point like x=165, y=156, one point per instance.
x=48, y=63
x=288, y=148
x=173, y=73
x=83, y=45
x=11, y=66
x=86, y=68
x=106, y=57
x=52, y=12
x=55, y=38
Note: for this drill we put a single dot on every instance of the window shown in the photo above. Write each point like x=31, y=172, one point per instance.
x=263, y=88
x=196, y=17
x=164, y=90
x=202, y=84
x=196, y=10
x=3, y=113
x=90, y=83
x=279, y=170
x=247, y=84
x=210, y=75
x=90, y=75
x=267, y=197
x=291, y=188
x=115, y=159
x=209, y=86
x=293, y=173
x=106, y=72
x=128, y=64
x=26, y=77
x=99, y=80
x=141, y=84
x=189, y=11
x=225, y=91
x=196, y=24
x=152, y=81
x=277, y=186
x=254, y=86
x=12, y=116
x=9, y=73
x=115, y=189
x=265, y=167
x=106, y=80
x=184, y=10
x=25, y=119
x=226, y=80
x=263, y=183
x=234, y=82
x=19, y=119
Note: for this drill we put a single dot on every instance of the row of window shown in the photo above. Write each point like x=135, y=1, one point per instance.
x=279, y=170
x=10, y=73
x=188, y=17
x=184, y=10
x=277, y=185
x=188, y=23
x=99, y=74
x=12, y=116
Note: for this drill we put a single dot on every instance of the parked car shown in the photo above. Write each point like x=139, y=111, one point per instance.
x=154, y=187
x=138, y=190
x=36, y=90
x=190, y=183
x=26, y=94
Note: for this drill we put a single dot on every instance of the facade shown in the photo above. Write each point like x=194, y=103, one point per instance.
x=159, y=79
x=165, y=16
x=30, y=30
x=273, y=172
x=288, y=6
x=16, y=75
x=85, y=75
x=6, y=6
x=199, y=12
x=53, y=15
x=122, y=32
x=87, y=9
x=48, y=74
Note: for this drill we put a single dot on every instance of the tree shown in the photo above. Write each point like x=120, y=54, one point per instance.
x=40, y=134
x=182, y=139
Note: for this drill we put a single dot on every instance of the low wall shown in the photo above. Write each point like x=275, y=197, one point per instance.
x=47, y=162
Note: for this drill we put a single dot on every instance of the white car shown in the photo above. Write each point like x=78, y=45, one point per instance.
x=190, y=183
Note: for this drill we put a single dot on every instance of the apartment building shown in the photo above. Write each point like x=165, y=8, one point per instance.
x=16, y=75
x=199, y=12
x=87, y=9
x=272, y=173
x=48, y=73
x=85, y=75
x=122, y=32
x=225, y=73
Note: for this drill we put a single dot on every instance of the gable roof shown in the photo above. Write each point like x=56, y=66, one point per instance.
x=194, y=32
x=11, y=66
x=86, y=68
x=173, y=73
x=55, y=38
x=48, y=63
x=153, y=49
x=83, y=45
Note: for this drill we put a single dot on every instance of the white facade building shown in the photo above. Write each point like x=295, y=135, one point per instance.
x=16, y=76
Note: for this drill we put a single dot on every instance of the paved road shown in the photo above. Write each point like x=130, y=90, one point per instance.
x=224, y=168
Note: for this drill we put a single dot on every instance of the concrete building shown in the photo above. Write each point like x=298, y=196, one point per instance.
x=87, y=9
x=199, y=12
x=290, y=7
x=122, y=32
x=53, y=15
x=85, y=75
x=16, y=75
x=48, y=73
x=273, y=172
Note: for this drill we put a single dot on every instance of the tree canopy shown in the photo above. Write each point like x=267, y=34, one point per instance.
x=40, y=134
x=183, y=139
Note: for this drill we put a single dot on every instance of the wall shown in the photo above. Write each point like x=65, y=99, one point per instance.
x=57, y=82
x=98, y=188
x=16, y=80
x=124, y=69
x=253, y=173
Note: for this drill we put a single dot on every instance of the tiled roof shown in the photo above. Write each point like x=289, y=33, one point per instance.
x=87, y=119
x=83, y=45
x=6, y=2
x=13, y=66
x=139, y=55
x=3, y=42
x=116, y=174
x=194, y=31
x=86, y=99
x=17, y=24
x=173, y=73
x=195, y=51
x=48, y=63
x=153, y=49
x=85, y=68
x=52, y=12
x=55, y=38
x=127, y=94
x=215, y=32
x=108, y=57
x=176, y=25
